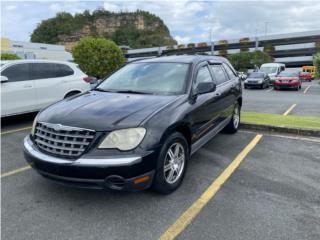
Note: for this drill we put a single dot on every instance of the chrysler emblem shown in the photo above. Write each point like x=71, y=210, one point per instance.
x=57, y=127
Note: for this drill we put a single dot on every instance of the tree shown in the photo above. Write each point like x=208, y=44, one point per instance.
x=249, y=60
x=98, y=57
x=8, y=56
x=316, y=63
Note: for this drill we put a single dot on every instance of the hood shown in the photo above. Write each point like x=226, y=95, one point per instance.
x=104, y=111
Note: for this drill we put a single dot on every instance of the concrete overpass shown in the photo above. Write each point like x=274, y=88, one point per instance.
x=293, y=49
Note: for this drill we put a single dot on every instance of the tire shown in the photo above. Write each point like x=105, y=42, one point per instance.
x=234, y=123
x=162, y=182
x=245, y=87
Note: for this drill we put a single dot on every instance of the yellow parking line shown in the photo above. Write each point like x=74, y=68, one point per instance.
x=15, y=130
x=186, y=218
x=306, y=90
x=289, y=109
x=6, y=174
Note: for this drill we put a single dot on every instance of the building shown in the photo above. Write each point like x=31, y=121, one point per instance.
x=293, y=49
x=27, y=50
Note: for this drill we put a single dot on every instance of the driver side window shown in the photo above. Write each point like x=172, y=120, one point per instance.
x=203, y=75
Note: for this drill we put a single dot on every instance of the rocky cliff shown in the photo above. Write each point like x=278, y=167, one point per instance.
x=137, y=29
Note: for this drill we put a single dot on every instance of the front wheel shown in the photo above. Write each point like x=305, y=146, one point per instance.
x=172, y=164
x=233, y=125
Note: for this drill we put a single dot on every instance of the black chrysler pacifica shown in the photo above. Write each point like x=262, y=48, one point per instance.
x=139, y=127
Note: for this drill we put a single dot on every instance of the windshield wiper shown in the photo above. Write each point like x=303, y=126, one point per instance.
x=101, y=90
x=132, y=91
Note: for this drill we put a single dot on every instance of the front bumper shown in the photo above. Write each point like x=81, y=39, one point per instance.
x=119, y=173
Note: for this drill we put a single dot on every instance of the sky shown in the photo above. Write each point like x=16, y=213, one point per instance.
x=188, y=21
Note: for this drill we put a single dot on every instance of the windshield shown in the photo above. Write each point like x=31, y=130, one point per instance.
x=288, y=74
x=256, y=75
x=269, y=70
x=157, y=78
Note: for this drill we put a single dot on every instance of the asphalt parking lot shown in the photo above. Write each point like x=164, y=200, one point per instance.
x=273, y=101
x=273, y=194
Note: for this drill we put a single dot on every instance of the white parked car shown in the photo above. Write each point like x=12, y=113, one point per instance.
x=30, y=85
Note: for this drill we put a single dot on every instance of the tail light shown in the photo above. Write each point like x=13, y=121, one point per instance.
x=88, y=79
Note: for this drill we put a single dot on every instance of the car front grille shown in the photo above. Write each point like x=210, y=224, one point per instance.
x=60, y=140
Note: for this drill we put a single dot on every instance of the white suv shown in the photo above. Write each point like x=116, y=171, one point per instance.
x=30, y=85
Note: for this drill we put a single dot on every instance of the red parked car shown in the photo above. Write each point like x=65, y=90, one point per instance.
x=288, y=79
x=305, y=76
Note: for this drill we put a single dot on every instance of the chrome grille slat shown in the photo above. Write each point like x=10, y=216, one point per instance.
x=64, y=134
x=62, y=140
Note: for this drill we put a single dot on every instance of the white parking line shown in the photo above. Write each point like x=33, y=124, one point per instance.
x=269, y=90
x=306, y=90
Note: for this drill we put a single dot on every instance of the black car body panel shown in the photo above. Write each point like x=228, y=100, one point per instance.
x=198, y=117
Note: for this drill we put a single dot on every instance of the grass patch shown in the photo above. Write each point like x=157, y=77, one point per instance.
x=280, y=120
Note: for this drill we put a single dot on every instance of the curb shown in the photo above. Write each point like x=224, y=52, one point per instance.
x=270, y=128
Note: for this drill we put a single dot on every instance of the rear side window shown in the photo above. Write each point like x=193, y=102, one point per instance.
x=44, y=70
x=219, y=74
x=50, y=70
x=64, y=70
x=230, y=73
x=17, y=72
x=203, y=75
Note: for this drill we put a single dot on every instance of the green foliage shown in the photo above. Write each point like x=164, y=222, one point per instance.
x=8, y=56
x=191, y=45
x=316, y=63
x=248, y=60
x=65, y=26
x=98, y=57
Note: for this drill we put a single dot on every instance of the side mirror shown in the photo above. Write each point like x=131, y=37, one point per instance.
x=4, y=79
x=205, y=87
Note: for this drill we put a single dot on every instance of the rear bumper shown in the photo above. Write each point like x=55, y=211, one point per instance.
x=253, y=84
x=118, y=173
x=286, y=85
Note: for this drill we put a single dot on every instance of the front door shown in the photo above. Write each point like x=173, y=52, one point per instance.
x=204, y=116
x=18, y=93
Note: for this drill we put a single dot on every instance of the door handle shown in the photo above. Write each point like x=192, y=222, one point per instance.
x=218, y=94
x=27, y=86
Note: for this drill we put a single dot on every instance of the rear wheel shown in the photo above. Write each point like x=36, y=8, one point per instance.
x=172, y=164
x=233, y=125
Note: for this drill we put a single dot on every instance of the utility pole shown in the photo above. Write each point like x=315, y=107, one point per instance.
x=265, y=35
x=212, y=43
x=256, y=39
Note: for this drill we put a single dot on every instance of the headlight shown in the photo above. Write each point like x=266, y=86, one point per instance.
x=124, y=139
x=33, y=129
x=260, y=81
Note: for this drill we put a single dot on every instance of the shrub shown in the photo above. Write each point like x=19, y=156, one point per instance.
x=8, y=56
x=98, y=57
x=191, y=45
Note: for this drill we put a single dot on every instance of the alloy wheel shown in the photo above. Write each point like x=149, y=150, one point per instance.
x=174, y=163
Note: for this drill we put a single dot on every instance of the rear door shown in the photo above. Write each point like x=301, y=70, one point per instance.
x=49, y=86
x=205, y=114
x=225, y=91
x=18, y=93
